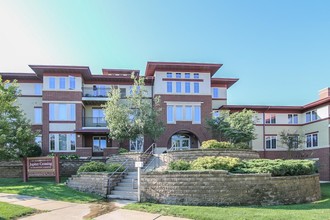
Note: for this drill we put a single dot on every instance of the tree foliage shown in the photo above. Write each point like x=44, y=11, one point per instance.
x=134, y=116
x=16, y=135
x=293, y=143
x=237, y=127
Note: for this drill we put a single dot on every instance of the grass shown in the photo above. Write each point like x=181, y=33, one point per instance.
x=311, y=211
x=9, y=211
x=45, y=188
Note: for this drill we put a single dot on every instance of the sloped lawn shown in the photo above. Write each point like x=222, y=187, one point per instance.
x=9, y=211
x=45, y=188
x=319, y=210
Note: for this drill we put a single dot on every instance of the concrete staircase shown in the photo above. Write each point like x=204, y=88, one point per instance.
x=126, y=189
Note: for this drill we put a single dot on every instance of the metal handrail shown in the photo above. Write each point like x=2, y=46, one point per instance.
x=109, y=178
x=152, y=147
x=153, y=159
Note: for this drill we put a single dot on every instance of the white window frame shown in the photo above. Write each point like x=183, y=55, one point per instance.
x=293, y=117
x=197, y=115
x=72, y=82
x=170, y=114
x=169, y=87
x=312, y=116
x=187, y=87
x=69, y=109
x=196, y=75
x=69, y=138
x=52, y=83
x=187, y=75
x=215, y=93
x=62, y=83
x=313, y=143
x=271, y=143
x=169, y=75
x=196, y=87
x=178, y=87
x=178, y=75
x=270, y=118
x=37, y=115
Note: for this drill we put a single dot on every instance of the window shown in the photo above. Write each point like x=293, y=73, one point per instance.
x=215, y=114
x=169, y=87
x=178, y=87
x=37, y=115
x=311, y=116
x=270, y=119
x=52, y=82
x=196, y=87
x=122, y=93
x=270, y=142
x=170, y=113
x=215, y=93
x=187, y=87
x=62, y=83
x=294, y=141
x=311, y=140
x=38, y=140
x=72, y=81
x=98, y=117
x=187, y=75
x=178, y=75
x=188, y=113
x=37, y=89
x=99, y=91
x=197, y=114
x=169, y=75
x=179, y=113
x=196, y=75
x=62, y=112
x=293, y=118
x=62, y=142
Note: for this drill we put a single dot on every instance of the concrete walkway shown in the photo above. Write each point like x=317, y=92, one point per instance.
x=55, y=210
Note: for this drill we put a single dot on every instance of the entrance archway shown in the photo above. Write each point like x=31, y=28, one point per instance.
x=183, y=140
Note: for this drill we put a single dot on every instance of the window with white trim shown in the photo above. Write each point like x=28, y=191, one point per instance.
x=62, y=142
x=270, y=118
x=293, y=118
x=196, y=87
x=178, y=87
x=187, y=87
x=179, y=113
x=169, y=87
x=51, y=82
x=178, y=75
x=215, y=92
x=72, y=82
x=62, y=82
x=197, y=115
x=169, y=75
x=37, y=115
x=271, y=142
x=188, y=113
x=183, y=112
x=311, y=116
x=37, y=89
x=187, y=75
x=170, y=114
x=311, y=140
x=196, y=75
x=62, y=112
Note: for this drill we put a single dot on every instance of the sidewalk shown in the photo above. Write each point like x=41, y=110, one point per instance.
x=55, y=210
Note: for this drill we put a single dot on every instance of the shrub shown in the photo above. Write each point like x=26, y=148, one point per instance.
x=65, y=156
x=33, y=150
x=122, y=150
x=214, y=144
x=215, y=163
x=179, y=165
x=277, y=167
x=112, y=167
x=242, y=145
x=92, y=166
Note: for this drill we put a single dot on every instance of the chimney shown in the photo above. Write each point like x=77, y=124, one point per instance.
x=324, y=93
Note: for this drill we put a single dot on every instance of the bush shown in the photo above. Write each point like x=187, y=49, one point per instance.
x=33, y=150
x=112, y=167
x=242, y=145
x=277, y=167
x=92, y=166
x=122, y=150
x=215, y=163
x=214, y=144
x=179, y=165
x=65, y=156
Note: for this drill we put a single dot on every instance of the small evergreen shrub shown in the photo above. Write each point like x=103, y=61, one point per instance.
x=112, y=167
x=33, y=150
x=179, y=165
x=65, y=156
x=277, y=167
x=122, y=150
x=214, y=144
x=92, y=166
x=215, y=163
x=242, y=145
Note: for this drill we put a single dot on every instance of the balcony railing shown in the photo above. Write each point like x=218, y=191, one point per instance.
x=95, y=92
x=94, y=122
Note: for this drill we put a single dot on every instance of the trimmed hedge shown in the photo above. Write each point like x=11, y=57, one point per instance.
x=214, y=144
x=95, y=166
x=235, y=165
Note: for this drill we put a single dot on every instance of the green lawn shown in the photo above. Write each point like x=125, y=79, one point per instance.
x=45, y=188
x=9, y=211
x=317, y=210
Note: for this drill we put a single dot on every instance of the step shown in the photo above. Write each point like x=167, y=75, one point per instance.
x=127, y=180
x=125, y=188
x=134, y=198
x=124, y=184
x=123, y=193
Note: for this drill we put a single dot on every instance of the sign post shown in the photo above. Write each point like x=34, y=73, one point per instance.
x=139, y=165
x=41, y=167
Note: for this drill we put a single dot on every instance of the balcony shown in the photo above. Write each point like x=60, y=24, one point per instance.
x=101, y=92
x=94, y=122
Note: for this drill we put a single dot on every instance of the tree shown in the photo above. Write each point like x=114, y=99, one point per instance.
x=16, y=135
x=237, y=127
x=137, y=115
x=293, y=142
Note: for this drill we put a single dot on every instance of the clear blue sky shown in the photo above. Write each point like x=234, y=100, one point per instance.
x=279, y=49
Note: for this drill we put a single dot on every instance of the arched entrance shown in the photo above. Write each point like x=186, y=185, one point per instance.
x=184, y=140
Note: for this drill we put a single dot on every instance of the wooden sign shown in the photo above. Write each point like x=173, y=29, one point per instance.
x=41, y=167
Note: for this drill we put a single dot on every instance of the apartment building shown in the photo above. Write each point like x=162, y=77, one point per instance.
x=312, y=121
x=65, y=104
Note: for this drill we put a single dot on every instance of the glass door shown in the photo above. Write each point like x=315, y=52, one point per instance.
x=99, y=143
x=180, y=142
x=137, y=144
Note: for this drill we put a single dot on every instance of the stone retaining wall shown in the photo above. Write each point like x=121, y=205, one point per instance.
x=223, y=188
x=96, y=183
x=131, y=157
